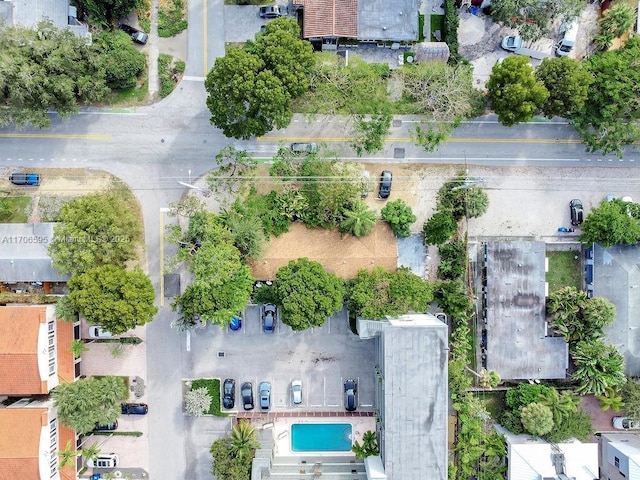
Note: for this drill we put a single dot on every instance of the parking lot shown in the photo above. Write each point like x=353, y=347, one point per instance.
x=323, y=358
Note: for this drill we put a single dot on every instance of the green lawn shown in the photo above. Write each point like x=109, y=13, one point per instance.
x=213, y=387
x=17, y=210
x=494, y=402
x=129, y=96
x=437, y=23
x=564, y=270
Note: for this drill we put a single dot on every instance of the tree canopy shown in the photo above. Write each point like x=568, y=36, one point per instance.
x=399, y=216
x=222, y=283
x=514, y=91
x=533, y=18
x=113, y=297
x=307, y=294
x=537, y=419
x=379, y=293
x=608, y=121
x=610, y=224
x=598, y=366
x=567, y=82
x=43, y=69
x=120, y=60
x=105, y=12
x=250, y=89
x=95, y=230
x=87, y=401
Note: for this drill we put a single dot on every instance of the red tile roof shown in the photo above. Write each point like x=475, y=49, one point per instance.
x=20, y=441
x=330, y=18
x=19, y=329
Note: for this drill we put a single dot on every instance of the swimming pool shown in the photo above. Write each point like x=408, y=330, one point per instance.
x=321, y=437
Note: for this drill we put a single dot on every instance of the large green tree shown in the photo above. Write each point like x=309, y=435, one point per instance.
x=307, y=294
x=567, y=82
x=609, y=120
x=514, y=91
x=379, y=293
x=439, y=228
x=121, y=61
x=399, y=216
x=610, y=224
x=463, y=197
x=105, y=12
x=598, y=366
x=85, y=402
x=533, y=18
x=630, y=392
x=45, y=69
x=95, y=230
x=113, y=297
x=250, y=89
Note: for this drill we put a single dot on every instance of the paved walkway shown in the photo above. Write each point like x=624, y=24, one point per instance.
x=296, y=414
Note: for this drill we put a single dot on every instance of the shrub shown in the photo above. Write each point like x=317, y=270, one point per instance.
x=537, y=419
x=453, y=260
x=439, y=228
x=526, y=393
x=399, y=216
x=213, y=388
x=197, y=401
x=164, y=72
x=511, y=421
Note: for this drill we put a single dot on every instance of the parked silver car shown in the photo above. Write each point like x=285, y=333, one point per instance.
x=296, y=391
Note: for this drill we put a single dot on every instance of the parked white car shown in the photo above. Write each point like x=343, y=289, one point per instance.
x=96, y=331
x=104, y=460
x=624, y=423
x=296, y=391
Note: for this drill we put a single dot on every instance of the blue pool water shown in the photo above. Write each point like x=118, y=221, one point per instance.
x=321, y=437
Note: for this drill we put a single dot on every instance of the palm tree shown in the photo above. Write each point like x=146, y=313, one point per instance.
x=369, y=445
x=90, y=453
x=561, y=405
x=358, y=220
x=243, y=440
x=610, y=400
x=68, y=455
x=77, y=348
x=598, y=366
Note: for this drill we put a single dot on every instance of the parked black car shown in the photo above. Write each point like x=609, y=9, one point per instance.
x=350, y=395
x=229, y=393
x=385, y=184
x=134, y=409
x=137, y=36
x=273, y=11
x=577, y=212
x=246, y=390
x=106, y=428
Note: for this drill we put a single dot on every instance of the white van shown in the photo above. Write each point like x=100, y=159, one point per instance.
x=569, y=37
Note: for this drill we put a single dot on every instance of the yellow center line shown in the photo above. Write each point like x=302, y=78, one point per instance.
x=408, y=139
x=204, y=30
x=91, y=136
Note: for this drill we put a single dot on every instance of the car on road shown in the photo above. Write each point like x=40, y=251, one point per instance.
x=229, y=393
x=624, y=423
x=511, y=43
x=269, y=316
x=265, y=395
x=304, y=147
x=296, y=391
x=350, y=395
x=136, y=35
x=246, y=390
x=273, y=11
x=386, y=177
x=107, y=427
x=28, y=179
x=104, y=460
x=235, y=323
x=576, y=211
x=97, y=331
x=134, y=409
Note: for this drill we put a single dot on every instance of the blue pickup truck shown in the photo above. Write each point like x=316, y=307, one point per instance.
x=31, y=179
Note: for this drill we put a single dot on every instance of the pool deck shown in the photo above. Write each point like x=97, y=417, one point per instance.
x=280, y=427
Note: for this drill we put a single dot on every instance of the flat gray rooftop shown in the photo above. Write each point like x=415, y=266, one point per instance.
x=412, y=356
x=23, y=253
x=616, y=276
x=29, y=13
x=517, y=343
x=393, y=20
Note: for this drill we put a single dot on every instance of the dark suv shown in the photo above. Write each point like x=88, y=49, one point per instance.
x=246, y=390
x=137, y=36
x=229, y=393
x=350, y=395
x=32, y=179
x=577, y=212
x=385, y=184
x=134, y=409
